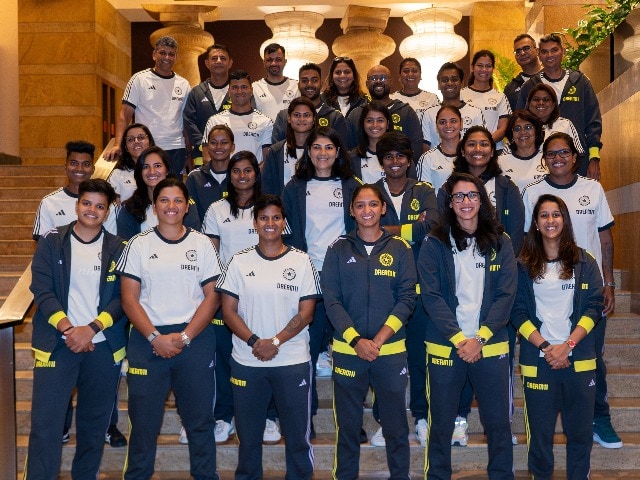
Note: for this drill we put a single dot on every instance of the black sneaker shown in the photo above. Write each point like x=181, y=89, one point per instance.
x=65, y=437
x=363, y=436
x=114, y=438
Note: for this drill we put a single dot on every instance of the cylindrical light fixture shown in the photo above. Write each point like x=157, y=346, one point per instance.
x=295, y=31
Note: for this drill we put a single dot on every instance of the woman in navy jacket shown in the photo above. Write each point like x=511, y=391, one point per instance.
x=467, y=274
x=368, y=285
x=559, y=301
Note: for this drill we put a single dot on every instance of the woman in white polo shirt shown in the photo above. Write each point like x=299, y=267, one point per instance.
x=269, y=293
x=172, y=344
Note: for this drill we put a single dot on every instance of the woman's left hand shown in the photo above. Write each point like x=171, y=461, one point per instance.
x=264, y=350
x=557, y=356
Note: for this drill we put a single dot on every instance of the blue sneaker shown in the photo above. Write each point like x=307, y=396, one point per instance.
x=605, y=435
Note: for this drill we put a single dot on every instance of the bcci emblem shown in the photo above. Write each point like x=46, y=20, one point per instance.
x=415, y=205
x=494, y=254
x=177, y=91
x=337, y=193
x=192, y=256
x=289, y=274
x=386, y=260
x=395, y=118
x=584, y=200
x=323, y=122
x=252, y=125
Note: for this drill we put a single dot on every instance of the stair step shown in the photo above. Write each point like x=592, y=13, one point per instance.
x=50, y=181
x=24, y=192
x=17, y=247
x=8, y=281
x=17, y=232
x=32, y=170
x=171, y=456
x=12, y=217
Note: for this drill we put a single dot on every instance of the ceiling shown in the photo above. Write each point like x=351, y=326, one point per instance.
x=256, y=9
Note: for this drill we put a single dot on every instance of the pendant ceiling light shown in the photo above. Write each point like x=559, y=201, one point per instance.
x=295, y=31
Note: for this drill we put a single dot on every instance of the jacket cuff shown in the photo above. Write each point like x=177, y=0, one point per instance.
x=394, y=323
x=457, y=338
x=406, y=232
x=527, y=328
x=105, y=319
x=349, y=334
x=56, y=318
x=485, y=332
x=594, y=152
x=586, y=323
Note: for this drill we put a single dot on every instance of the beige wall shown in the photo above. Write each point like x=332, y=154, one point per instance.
x=9, y=105
x=67, y=48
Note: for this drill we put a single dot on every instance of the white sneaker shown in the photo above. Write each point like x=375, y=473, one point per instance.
x=124, y=367
x=378, y=439
x=460, y=436
x=183, y=436
x=271, y=434
x=421, y=431
x=324, y=364
x=223, y=430
x=514, y=439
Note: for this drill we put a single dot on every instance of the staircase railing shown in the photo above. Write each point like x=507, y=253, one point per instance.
x=12, y=313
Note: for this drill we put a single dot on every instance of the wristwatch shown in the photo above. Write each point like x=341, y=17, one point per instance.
x=152, y=336
x=571, y=343
x=185, y=338
x=252, y=340
x=481, y=340
x=275, y=341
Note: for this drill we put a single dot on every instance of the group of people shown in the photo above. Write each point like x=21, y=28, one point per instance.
x=416, y=238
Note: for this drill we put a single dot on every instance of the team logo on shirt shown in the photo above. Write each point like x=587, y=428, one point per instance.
x=192, y=256
x=467, y=121
x=493, y=102
x=386, y=260
x=323, y=122
x=494, y=254
x=112, y=267
x=100, y=256
x=541, y=169
x=290, y=93
x=252, y=125
x=395, y=118
x=584, y=200
x=415, y=205
x=177, y=91
x=423, y=104
x=337, y=193
x=289, y=274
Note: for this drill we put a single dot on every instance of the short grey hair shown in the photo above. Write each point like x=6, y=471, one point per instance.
x=166, y=41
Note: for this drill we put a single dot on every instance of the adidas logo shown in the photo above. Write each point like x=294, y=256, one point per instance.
x=208, y=184
x=592, y=383
x=264, y=95
x=152, y=87
x=127, y=181
x=250, y=274
x=403, y=371
x=439, y=167
x=303, y=383
x=366, y=165
x=153, y=256
x=510, y=170
x=227, y=220
x=204, y=100
x=351, y=260
x=60, y=213
x=212, y=364
x=308, y=193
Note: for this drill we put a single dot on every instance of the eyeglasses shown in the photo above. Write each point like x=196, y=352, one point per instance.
x=342, y=59
x=520, y=51
x=526, y=127
x=459, y=197
x=298, y=115
x=378, y=78
x=138, y=138
x=563, y=154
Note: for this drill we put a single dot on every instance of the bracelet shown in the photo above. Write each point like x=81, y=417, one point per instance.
x=64, y=332
x=185, y=338
x=252, y=340
x=481, y=340
x=94, y=326
x=355, y=341
x=152, y=336
x=543, y=345
x=610, y=284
